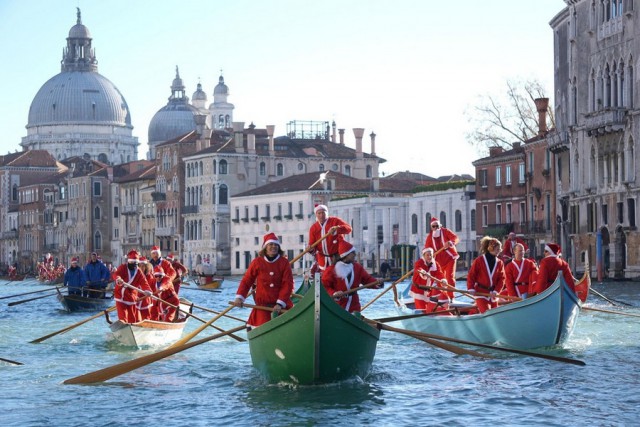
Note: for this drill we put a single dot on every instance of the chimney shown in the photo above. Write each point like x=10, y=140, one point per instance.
x=201, y=124
x=542, y=104
x=333, y=131
x=494, y=151
x=341, y=132
x=373, y=143
x=272, y=149
x=238, y=127
x=251, y=139
x=358, y=132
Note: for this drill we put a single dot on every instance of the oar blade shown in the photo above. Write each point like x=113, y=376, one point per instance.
x=68, y=328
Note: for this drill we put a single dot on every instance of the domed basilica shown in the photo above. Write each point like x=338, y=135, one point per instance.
x=79, y=111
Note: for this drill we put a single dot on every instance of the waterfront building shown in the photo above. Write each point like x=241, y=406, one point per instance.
x=596, y=108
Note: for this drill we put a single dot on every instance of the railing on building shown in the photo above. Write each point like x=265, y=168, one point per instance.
x=605, y=121
x=13, y=234
x=193, y=209
x=131, y=210
x=558, y=141
x=157, y=196
x=164, y=231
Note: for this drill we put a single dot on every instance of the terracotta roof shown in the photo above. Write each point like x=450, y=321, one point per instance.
x=147, y=172
x=30, y=158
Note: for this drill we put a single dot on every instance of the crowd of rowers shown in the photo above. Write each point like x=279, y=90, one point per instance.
x=147, y=289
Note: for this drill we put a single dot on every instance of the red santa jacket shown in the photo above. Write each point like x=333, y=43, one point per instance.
x=433, y=270
x=329, y=246
x=166, y=266
x=549, y=268
x=448, y=255
x=123, y=293
x=342, y=277
x=273, y=281
x=483, y=280
x=518, y=276
x=180, y=270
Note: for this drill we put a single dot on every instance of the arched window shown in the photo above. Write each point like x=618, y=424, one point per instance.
x=458, y=220
x=97, y=241
x=213, y=229
x=223, y=195
x=263, y=169
x=102, y=157
x=279, y=169
x=213, y=195
x=427, y=218
x=200, y=169
x=188, y=170
x=14, y=193
x=214, y=167
x=97, y=214
x=443, y=218
x=321, y=167
x=223, y=167
x=414, y=224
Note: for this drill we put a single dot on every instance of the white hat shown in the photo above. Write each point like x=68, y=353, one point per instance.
x=320, y=208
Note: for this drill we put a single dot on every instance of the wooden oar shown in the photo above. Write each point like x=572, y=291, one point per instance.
x=354, y=290
x=190, y=336
x=75, y=325
x=407, y=274
x=471, y=294
x=13, y=362
x=259, y=307
x=217, y=312
x=33, y=292
x=203, y=290
x=303, y=253
x=610, y=301
x=493, y=347
x=411, y=316
x=610, y=311
x=122, y=368
x=11, y=304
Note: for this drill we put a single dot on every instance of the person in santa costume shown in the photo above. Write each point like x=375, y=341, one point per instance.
x=438, y=238
x=347, y=274
x=486, y=274
x=271, y=274
x=162, y=288
x=508, y=249
x=128, y=279
x=157, y=260
x=427, y=272
x=179, y=268
x=519, y=273
x=328, y=248
x=550, y=265
x=145, y=304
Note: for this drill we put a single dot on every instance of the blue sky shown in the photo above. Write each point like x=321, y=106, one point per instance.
x=406, y=70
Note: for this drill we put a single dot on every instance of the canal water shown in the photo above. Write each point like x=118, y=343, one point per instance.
x=411, y=383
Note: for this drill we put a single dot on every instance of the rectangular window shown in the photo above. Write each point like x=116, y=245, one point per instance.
x=300, y=208
x=508, y=218
x=620, y=212
x=483, y=178
x=237, y=259
x=507, y=175
x=521, y=175
x=521, y=213
x=116, y=212
x=290, y=209
x=547, y=213
x=237, y=214
x=590, y=222
x=485, y=216
x=97, y=189
x=498, y=213
x=531, y=164
x=498, y=176
x=301, y=238
x=631, y=208
x=605, y=214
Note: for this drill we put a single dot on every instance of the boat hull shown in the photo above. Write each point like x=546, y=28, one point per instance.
x=316, y=341
x=543, y=320
x=148, y=333
x=74, y=303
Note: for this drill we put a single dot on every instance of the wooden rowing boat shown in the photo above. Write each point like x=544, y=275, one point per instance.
x=316, y=341
x=543, y=320
x=73, y=303
x=149, y=333
x=212, y=283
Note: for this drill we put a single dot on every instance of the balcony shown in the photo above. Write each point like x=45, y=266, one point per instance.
x=51, y=247
x=190, y=209
x=605, y=121
x=157, y=196
x=164, y=231
x=533, y=227
x=131, y=210
x=13, y=234
x=557, y=142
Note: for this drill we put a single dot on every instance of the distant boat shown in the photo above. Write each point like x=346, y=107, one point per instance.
x=212, y=283
x=72, y=303
x=150, y=333
x=544, y=320
x=316, y=341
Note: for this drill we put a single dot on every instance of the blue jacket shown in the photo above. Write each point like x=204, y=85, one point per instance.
x=74, y=278
x=97, y=274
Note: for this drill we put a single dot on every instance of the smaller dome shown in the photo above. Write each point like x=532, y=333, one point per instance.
x=79, y=31
x=221, y=88
x=199, y=94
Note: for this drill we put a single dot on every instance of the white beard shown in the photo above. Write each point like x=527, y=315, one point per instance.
x=343, y=270
x=436, y=233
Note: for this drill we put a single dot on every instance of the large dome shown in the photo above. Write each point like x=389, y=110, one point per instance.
x=172, y=121
x=79, y=97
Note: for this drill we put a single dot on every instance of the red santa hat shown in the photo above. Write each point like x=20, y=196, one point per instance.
x=74, y=260
x=270, y=238
x=425, y=250
x=143, y=260
x=171, y=257
x=435, y=221
x=155, y=249
x=133, y=256
x=345, y=248
x=553, y=249
x=320, y=208
x=158, y=271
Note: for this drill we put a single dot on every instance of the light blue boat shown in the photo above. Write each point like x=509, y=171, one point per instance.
x=544, y=320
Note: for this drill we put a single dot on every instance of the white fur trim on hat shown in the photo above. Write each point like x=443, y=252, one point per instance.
x=320, y=207
x=427, y=250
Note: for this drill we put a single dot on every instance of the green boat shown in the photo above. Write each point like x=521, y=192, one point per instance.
x=316, y=341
